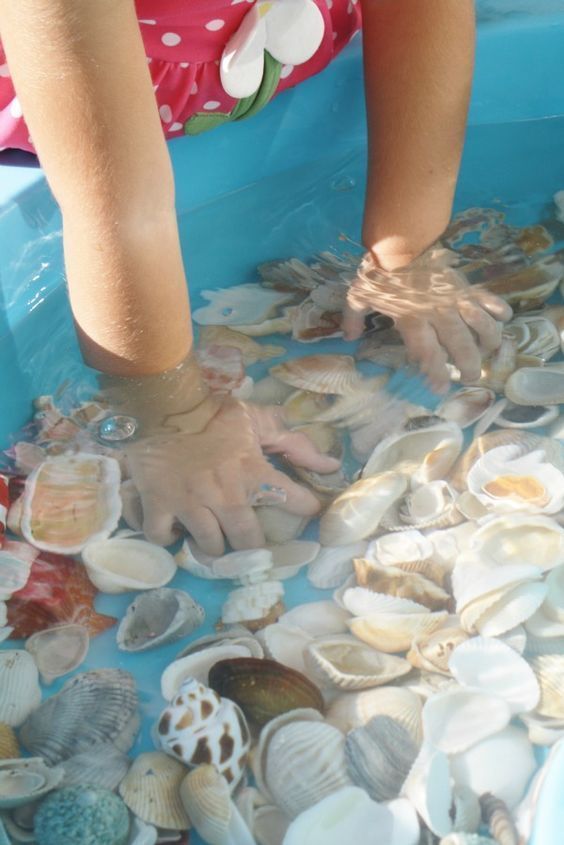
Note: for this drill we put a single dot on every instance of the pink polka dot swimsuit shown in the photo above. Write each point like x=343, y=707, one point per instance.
x=213, y=61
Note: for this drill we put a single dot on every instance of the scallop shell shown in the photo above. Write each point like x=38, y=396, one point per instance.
x=424, y=455
x=9, y=746
x=285, y=644
x=91, y=708
x=238, y=305
x=357, y=513
x=334, y=374
x=71, y=500
x=549, y=670
x=151, y=790
x=429, y=789
x=520, y=539
x=354, y=709
x=23, y=781
x=392, y=549
x=396, y=582
x=473, y=580
x=498, y=819
x=249, y=349
x=379, y=757
x=454, y=720
x=333, y=564
x=254, y=606
x=466, y=405
x=317, y=618
x=20, y=693
x=157, y=617
x=58, y=650
x=200, y=727
x=264, y=689
x=102, y=765
x=259, y=756
x=432, y=651
x=446, y=545
x=395, y=632
x=197, y=665
x=495, y=668
x=121, y=565
x=205, y=795
x=345, y=663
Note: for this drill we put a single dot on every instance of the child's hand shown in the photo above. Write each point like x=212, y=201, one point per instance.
x=437, y=312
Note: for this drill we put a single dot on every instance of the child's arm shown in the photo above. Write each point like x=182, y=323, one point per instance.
x=81, y=75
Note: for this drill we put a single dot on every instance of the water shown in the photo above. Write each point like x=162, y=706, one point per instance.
x=289, y=214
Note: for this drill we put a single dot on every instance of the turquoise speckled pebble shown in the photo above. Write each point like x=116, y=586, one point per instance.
x=82, y=815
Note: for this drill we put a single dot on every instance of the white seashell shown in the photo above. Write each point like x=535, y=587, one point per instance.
x=121, y=565
x=234, y=635
x=157, y=617
x=102, y=765
x=25, y=780
x=426, y=684
x=207, y=801
x=432, y=651
x=333, y=564
x=395, y=632
x=549, y=669
x=423, y=455
x=361, y=601
x=466, y=810
x=454, y=720
x=520, y=539
x=58, y=650
x=259, y=756
x=250, y=349
x=343, y=662
x=553, y=606
x=543, y=730
x=472, y=579
x=14, y=573
x=396, y=582
x=193, y=559
x=536, y=385
x=526, y=416
x=238, y=305
x=498, y=820
x=270, y=391
x=313, y=322
x=392, y=549
x=501, y=764
x=20, y=693
x=448, y=543
x=513, y=608
x=304, y=407
x=197, y=665
x=515, y=638
x=380, y=756
x=428, y=788
x=285, y=644
x=141, y=833
x=254, y=606
x=354, y=709
x=462, y=838
x=270, y=825
x=501, y=363
x=334, y=374
x=466, y=405
x=244, y=567
x=279, y=525
x=535, y=335
x=288, y=558
x=317, y=618
x=151, y=790
x=495, y=668
x=346, y=816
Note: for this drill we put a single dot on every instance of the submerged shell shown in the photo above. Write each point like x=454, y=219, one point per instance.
x=285, y=644
x=120, y=565
x=355, y=709
x=425, y=454
x=498, y=819
x=549, y=670
x=525, y=416
x=91, y=708
x=102, y=765
x=20, y=693
x=157, y=617
x=397, y=582
x=395, y=632
x=23, y=781
x=344, y=662
x=467, y=405
x=334, y=374
x=151, y=790
x=71, y=500
x=264, y=689
x=197, y=665
x=238, y=305
x=454, y=720
x=537, y=385
x=380, y=756
x=207, y=801
x=520, y=539
x=428, y=787
x=279, y=525
x=334, y=564
x=249, y=348
x=317, y=618
x=431, y=505
x=58, y=650
x=9, y=746
x=433, y=651
x=14, y=571
x=254, y=606
x=85, y=814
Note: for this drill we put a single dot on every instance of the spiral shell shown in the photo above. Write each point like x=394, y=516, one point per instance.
x=498, y=818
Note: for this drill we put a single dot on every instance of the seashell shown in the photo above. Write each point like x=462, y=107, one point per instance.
x=502, y=613
x=357, y=513
x=516, y=638
x=498, y=819
x=285, y=644
x=361, y=602
x=304, y=406
x=270, y=825
x=250, y=350
x=459, y=838
x=520, y=539
x=197, y=665
x=528, y=287
x=254, y=606
x=501, y=764
x=279, y=525
x=264, y=689
x=200, y=727
x=333, y=564
x=24, y=781
x=121, y=565
x=151, y=790
x=193, y=559
x=141, y=833
x=454, y=720
x=302, y=762
x=258, y=758
x=392, y=550
x=238, y=305
x=352, y=813
x=536, y=386
x=466, y=810
x=425, y=684
x=428, y=788
x=288, y=558
x=432, y=651
x=270, y=391
x=548, y=669
x=312, y=321
x=380, y=756
x=526, y=416
x=157, y=617
x=431, y=505
x=424, y=455
x=396, y=582
x=71, y=500
x=334, y=374
x=58, y=650
x=543, y=730
x=205, y=795
x=244, y=567
x=14, y=571
x=343, y=662
x=447, y=544
x=234, y=635
x=9, y=746
x=82, y=814
x=553, y=606
x=91, y=708
x=472, y=579
x=274, y=325
x=20, y=693
x=102, y=765
x=317, y=618
x=494, y=667
x=466, y=405
x=353, y=710
x=394, y=632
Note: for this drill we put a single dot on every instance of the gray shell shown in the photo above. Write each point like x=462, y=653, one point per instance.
x=92, y=708
x=103, y=765
x=379, y=757
x=158, y=616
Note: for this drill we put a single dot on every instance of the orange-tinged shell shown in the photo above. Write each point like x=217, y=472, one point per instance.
x=397, y=582
x=9, y=747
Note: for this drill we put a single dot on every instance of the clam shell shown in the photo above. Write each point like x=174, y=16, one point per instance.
x=333, y=564
x=396, y=582
x=91, y=708
x=151, y=790
x=238, y=305
x=9, y=746
x=357, y=513
x=361, y=601
x=249, y=348
x=536, y=385
x=102, y=765
x=495, y=668
x=499, y=366
x=285, y=644
x=264, y=689
x=254, y=606
x=466, y=405
x=527, y=287
x=58, y=650
x=317, y=618
x=431, y=505
x=553, y=606
x=379, y=757
x=23, y=781
x=343, y=662
x=207, y=801
x=197, y=665
x=549, y=670
x=454, y=720
x=472, y=580
x=428, y=788
x=20, y=693
x=424, y=454
x=335, y=374
x=71, y=500
x=270, y=825
x=121, y=565
x=355, y=709
x=446, y=545
x=157, y=617
x=520, y=539
x=196, y=561
x=394, y=632
x=511, y=609
x=259, y=756
x=432, y=651
x=498, y=819
x=244, y=567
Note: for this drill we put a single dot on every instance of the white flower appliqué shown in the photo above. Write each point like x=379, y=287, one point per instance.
x=291, y=31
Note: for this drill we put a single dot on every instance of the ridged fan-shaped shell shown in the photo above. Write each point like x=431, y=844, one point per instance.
x=425, y=454
x=354, y=709
x=345, y=663
x=103, y=765
x=380, y=756
x=397, y=582
x=151, y=790
x=394, y=632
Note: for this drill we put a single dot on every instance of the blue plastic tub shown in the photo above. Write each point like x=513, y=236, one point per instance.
x=285, y=183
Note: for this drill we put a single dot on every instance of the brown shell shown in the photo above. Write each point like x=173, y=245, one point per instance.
x=533, y=239
x=9, y=747
x=263, y=689
x=396, y=582
x=496, y=815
